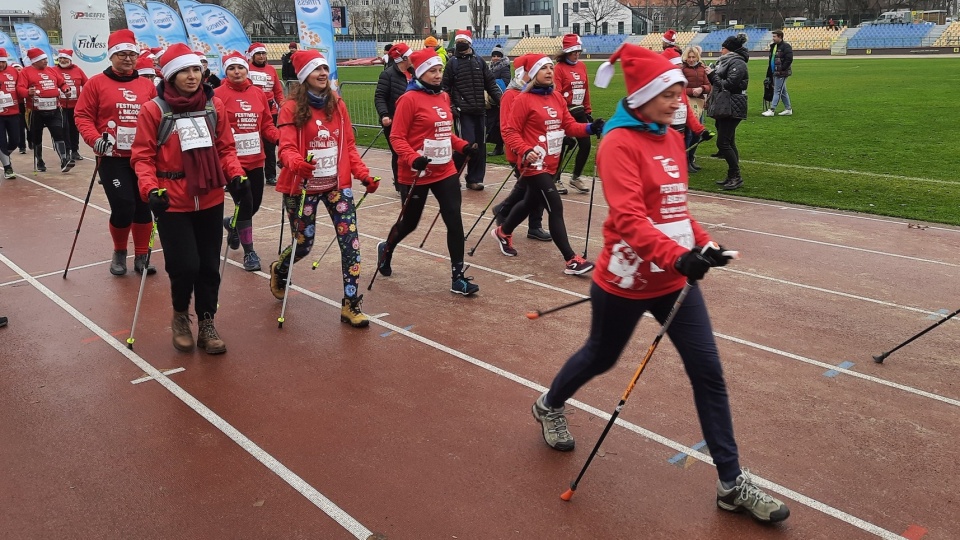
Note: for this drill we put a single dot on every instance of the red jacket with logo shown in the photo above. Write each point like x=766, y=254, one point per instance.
x=75, y=79
x=148, y=158
x=266, y=79
x=105, y=101
x=47, y=82
x=648, y=226
x=8, y=86
x=422, y=116
x=540, y=120
x=318, y=134
x=572, y=83
x=250, y=116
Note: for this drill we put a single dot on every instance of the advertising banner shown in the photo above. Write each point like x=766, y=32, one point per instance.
x=200, y=40
x=29, y=36
x=86, y=27
x=11, y=48
x=315, y=27
x=138, y=20
x=223, y=28
x=166, y=24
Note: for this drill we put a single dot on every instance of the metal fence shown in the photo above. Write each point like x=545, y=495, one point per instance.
x=359, y=99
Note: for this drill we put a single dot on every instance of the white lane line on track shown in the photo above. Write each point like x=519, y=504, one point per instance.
x=849, y=171
x=670, y=443
x=318, y=499
x=64, y=193
x=166, y=373
x=81, y=267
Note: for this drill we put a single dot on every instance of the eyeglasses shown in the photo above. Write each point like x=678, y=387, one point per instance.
x=127, y=55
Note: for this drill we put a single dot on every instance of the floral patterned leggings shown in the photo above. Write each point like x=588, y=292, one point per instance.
x=342, y=211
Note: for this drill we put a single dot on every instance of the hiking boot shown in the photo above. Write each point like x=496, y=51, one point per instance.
x=118, y=266
x=539, y=234
x=577, y=184
x=66, y=164
x=496, y=214
x=208, y=339
x=505, y=241
x=8, y=172
x=278, y=283
x=143, y=261
x=350, y=312
x=383, y=259
x=577, y=265
x=560, y=188
x=251, y=262
x=554, y=423
x=732, y=183
x=462, y=285
x=746, y=497
x=786, y=112
x=182, y=335
x=768, y=112
x=41, y=166
x=475, y=186
x=76, y=156
x=233, y=237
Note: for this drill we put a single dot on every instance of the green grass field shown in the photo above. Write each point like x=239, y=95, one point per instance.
x=870, y=135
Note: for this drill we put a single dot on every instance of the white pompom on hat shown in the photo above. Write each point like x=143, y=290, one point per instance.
x=646, y=73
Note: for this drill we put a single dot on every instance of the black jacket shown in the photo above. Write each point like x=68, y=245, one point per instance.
x=286, y=67
x=465, y=77
x=391, y=85
x=783, y=61
x=729, y=75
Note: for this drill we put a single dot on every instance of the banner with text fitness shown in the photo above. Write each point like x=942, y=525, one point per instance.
x=315, y=26
x=166, y=24
x=86, y=27
x=138, y=20
x=29, y=36
x=200, y=39
x=223, y=28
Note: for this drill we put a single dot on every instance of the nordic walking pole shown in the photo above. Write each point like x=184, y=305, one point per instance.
x=880, y=357
x=568, y=494
x=432, y=223
x=226, y=245
x=479, y=217
x=533, y=315
x=593, y=189
x=293, y=256
x=283, y=210
x=86, y=202
x=143, y=281
x=403, y=210
x=334, y=239
x=371, y=143
x=489, y=224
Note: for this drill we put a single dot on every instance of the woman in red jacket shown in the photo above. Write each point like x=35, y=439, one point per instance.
x=106, y=117
x=250, y=116
x=648, y=255
x=319, y=155
x=422, y=136
x=570, y=79
x=183, y=164
x=535, y=131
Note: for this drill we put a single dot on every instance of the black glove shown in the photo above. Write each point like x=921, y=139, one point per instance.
x=421, y=163
x=713, y=252
x=590, y=118
x=693, y=265
x=471, y=151
x=596, y=127
x=158, y=201
x=706, y=135
x=240, y=189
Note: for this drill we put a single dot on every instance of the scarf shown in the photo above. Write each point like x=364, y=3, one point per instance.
x=622, y=118
x=315, y=101
x=202, y=165
x=538, y=89
x=113, y=74
x=417, y=84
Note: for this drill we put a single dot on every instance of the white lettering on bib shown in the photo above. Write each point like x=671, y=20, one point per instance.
x=439, y=152
x=578, y=95
x=248, y=144
x=6, y=100
x=193, y=133
x=125, y=136
x=680, y=115
x=555, y=142
x=45, y=104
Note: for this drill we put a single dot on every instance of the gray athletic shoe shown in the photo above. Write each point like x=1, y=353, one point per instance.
x=554, y=422
x=746, y=496
x=578, y=184
x=118, y=265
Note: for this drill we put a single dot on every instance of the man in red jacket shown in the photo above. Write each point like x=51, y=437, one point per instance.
x=264, y=76
x=41, y=86
x=9, y=114
x=75, y=79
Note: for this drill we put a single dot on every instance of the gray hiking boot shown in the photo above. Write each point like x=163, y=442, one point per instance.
x=747, y=497
x=578, y=184
x=554, y=422
x=118, y=266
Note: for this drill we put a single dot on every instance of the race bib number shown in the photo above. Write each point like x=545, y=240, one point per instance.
x=125, y=136
x=72, y=94
x=324, y=170
x=578, y=95
x=554, y=142
x=680, y=115
x=193, y=133
x=680, y=232
x=45, y=104
x=258, y=79
x=6, y=100
x=439, y=152
x=248, y=144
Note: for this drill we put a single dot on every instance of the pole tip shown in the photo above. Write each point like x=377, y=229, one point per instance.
x=533, y=315
x=567, y=495
x=879, y=358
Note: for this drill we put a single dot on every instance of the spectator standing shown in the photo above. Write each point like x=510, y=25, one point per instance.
x=698, y=88
x=500, y=67
x=390, y=86
x=727, y=103
x=286, y=63
x=779, y=68
x=208, y=76
x=465, y=78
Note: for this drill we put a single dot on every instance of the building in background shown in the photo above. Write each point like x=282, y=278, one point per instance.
x=10, y=17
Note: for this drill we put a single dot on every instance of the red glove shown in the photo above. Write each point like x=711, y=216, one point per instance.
x=371, y=183
x=303, y=169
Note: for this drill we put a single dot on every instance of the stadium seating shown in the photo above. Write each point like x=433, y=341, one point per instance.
x=811, y=38
x=885, y=36
x=349, y=49
x=602, y=44
x=757, y=39
x=538, y=44
x=414, y=44
x=950, y=37
x=654, y=41
x=275, y=51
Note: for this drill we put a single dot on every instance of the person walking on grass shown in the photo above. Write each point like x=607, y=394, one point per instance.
x=698, y=88
x=250, y=119
x=107, y=116
x=183, y=162
x=320, y=161
x=650, y=250
x=535, y=128
x=500, y=67
x=424, y=139
x=684, y=120
x=727, y=103
x=779, y=67
x=572, y=83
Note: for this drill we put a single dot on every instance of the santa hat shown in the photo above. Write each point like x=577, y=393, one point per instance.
x=145, y=65
x=670, y=37
x=234, y=58
x=65, y=53
x=3, y=55
x=177, y=58
x=122, y=40
x=400, y=50
x=673, y=56
x=304, y=62
x=430, y=42
x=533, y=63
x=463, y=34
x=35, y=55
x=423, y=60
x=256, y=48
x=646, y=73
x=520, y=65
x=572, y=43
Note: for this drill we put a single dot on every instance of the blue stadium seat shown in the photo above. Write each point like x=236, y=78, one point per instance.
x=886, y=36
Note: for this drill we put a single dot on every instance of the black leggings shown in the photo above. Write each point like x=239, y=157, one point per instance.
x=70, y=133
x=727, y=144
x=541, y=190
x=53, y=121
x=582, y=144
x=120, y=184
x=9, y=133
x=191, y=252
x=249, y=208
x=517, y=194
x=447, y=193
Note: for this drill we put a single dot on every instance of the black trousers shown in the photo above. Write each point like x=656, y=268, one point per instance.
x=517, y=194
x=447, y=193
x=119, y=183
x=191, y=252
x=727, y=144
x=394, y=157
x=249, y=207
x=70, y=133
x=270, y=165
x=582, y=144
x=53, y=121
x=473, y=130
x=542, y=191
x=9, y=133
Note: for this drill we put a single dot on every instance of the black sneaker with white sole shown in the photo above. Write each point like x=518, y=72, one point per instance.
x=66, y=164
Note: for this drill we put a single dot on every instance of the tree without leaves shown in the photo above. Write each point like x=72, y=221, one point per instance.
x=416, y=16
x=49, y=18
x=480, y=16
x=598, y=11
x=267, y=13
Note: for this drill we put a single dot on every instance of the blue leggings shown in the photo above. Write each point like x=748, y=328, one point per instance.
x=613, y=321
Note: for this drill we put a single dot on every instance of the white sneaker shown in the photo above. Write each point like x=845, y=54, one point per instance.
x=786, y=112
x=768, y=112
